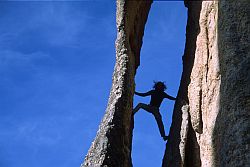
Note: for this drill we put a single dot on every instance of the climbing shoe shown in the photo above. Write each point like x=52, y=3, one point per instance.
x=165, y=138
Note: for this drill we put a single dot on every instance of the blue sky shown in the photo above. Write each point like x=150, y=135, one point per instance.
x=56, y=65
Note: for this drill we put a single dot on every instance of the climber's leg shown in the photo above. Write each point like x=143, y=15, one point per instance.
x=160, y=124
x=143, y=106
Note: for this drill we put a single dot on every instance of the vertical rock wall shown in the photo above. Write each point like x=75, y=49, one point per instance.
x=112, y=145
x=231, y=135
x=182, y=136
x=216, y=87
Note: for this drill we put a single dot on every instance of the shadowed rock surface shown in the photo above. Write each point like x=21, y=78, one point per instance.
x=210, y=124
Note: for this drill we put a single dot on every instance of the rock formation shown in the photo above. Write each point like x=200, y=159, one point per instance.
x=216, y=85
x=112, y=145
x=210, y=124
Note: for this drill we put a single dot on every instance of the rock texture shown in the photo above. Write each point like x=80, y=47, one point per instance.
x=216, y=86
x=210, y=124
x=231, y=135
x=112, y=145
x=199, y=88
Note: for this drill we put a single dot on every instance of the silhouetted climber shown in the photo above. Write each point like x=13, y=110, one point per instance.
x=157, y=96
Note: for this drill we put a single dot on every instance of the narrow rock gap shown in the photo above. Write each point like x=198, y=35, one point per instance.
x=177, y=154
x=161, y=56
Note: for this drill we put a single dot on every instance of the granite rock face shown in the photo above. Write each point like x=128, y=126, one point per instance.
x=210, y=124
x=216, y=86
x=112, y=145
x=231, y=135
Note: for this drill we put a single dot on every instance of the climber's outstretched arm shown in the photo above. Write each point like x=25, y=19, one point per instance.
x=144, y=94
x=169, y=97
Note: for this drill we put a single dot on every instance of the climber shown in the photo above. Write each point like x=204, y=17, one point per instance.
x=157, y=96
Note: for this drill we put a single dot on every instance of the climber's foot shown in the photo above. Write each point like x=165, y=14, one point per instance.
x=165, y=138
